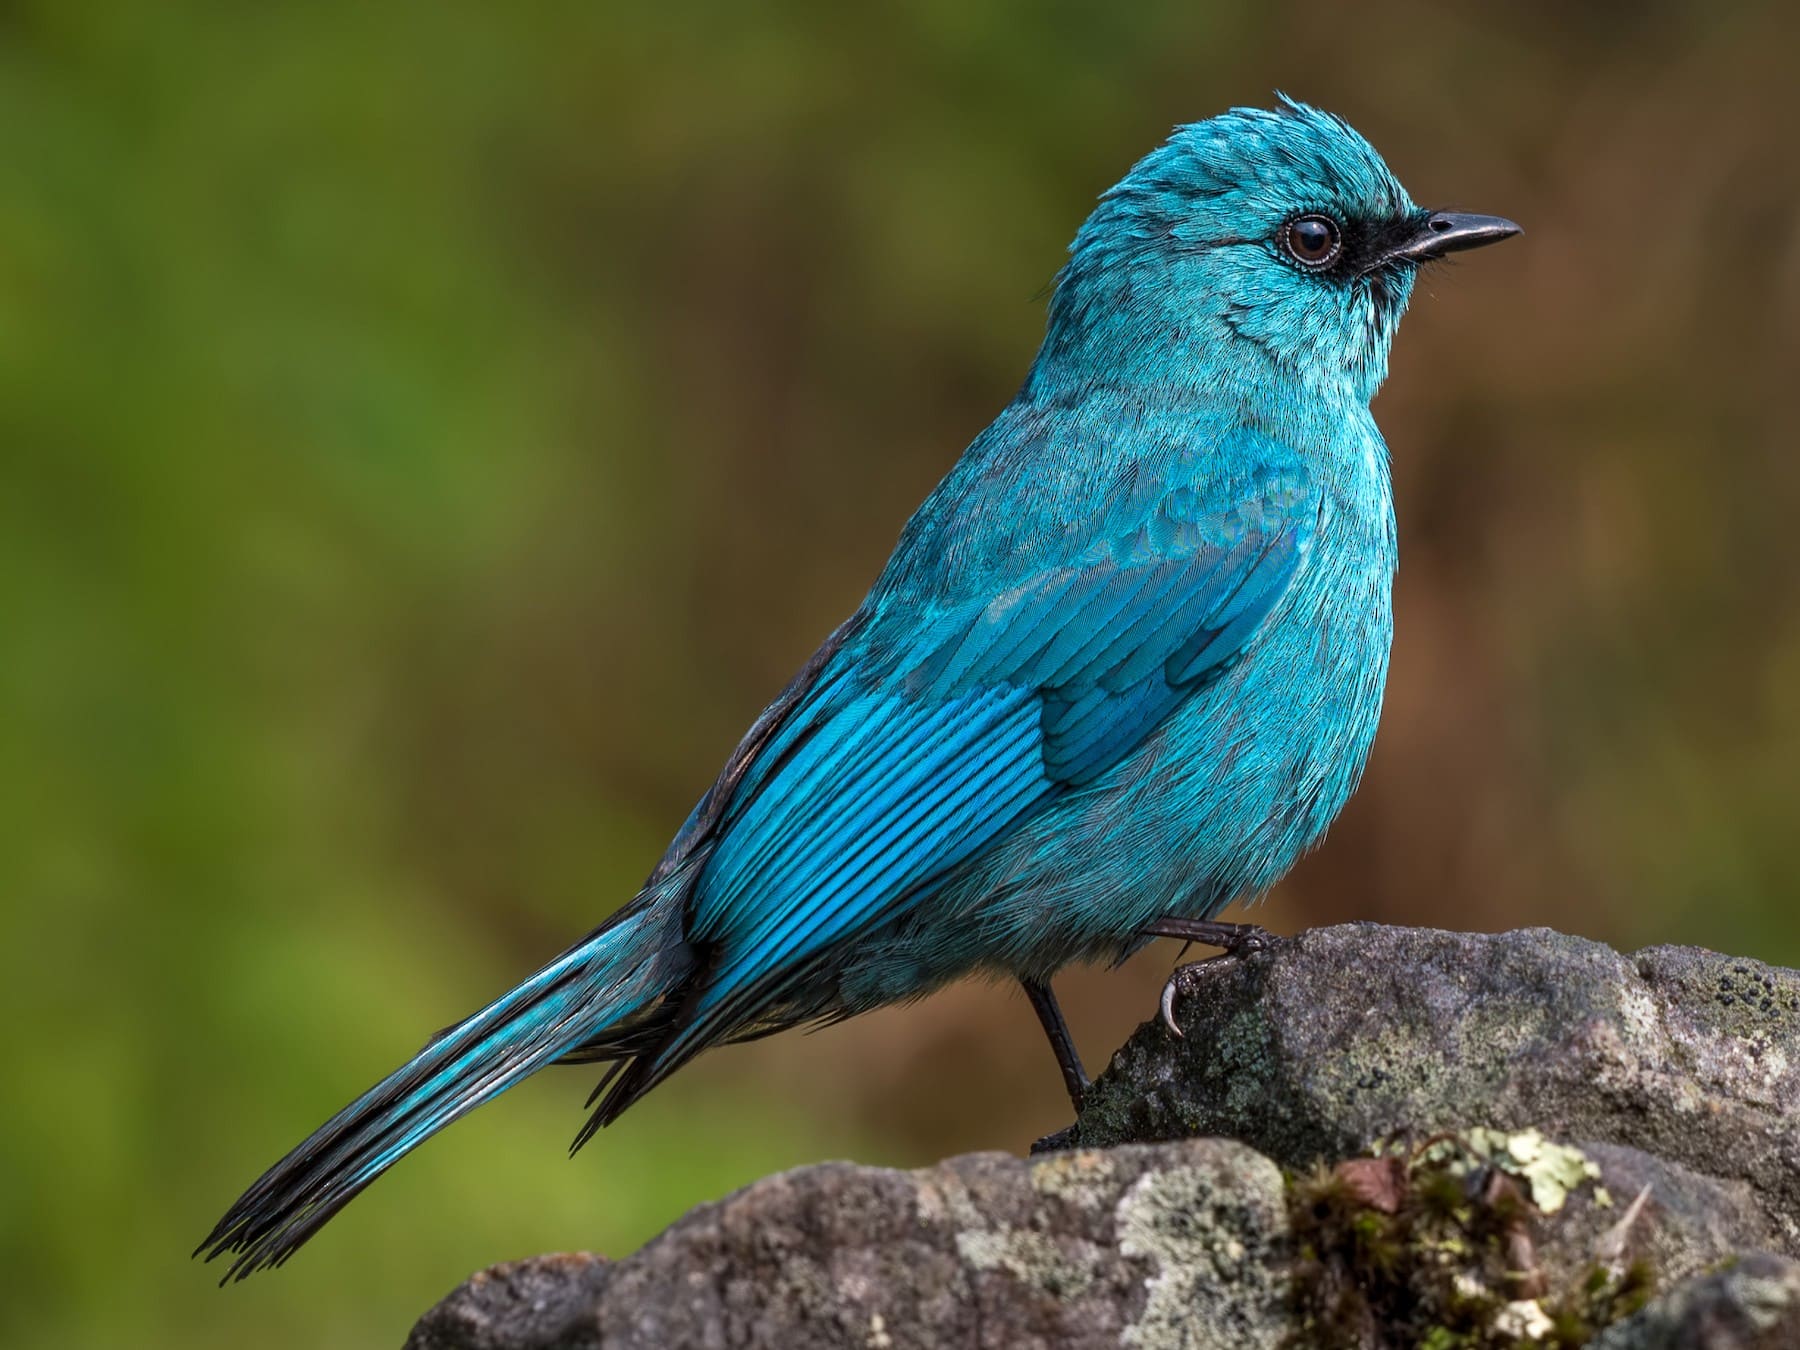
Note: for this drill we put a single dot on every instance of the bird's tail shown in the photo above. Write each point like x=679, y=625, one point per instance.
x=610, y=977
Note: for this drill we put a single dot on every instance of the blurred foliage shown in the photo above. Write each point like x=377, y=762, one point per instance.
x=431, y=432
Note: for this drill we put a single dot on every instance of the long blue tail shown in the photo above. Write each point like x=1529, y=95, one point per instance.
x=615, y=973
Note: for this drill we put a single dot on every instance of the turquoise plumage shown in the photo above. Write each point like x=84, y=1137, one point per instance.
x=1124, y=666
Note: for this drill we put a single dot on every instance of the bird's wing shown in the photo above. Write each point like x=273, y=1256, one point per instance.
x=873, y=786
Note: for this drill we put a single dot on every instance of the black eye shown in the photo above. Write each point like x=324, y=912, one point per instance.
x=1313, y=241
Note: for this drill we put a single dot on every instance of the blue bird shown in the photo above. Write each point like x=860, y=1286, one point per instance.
x=1123, y=667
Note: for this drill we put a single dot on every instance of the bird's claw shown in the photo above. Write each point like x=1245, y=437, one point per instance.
x=1167, y=1004
x=1181, y=984
x=1242, y=940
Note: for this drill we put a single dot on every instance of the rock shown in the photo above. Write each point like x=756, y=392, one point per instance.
x=1689, y=1223
x=545, y=1301
x=1082, y=1249
x=1344, y=1035
x=1204, y=1197
x=1752, y=1305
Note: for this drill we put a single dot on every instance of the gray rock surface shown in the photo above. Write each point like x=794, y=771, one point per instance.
x=1673, y=1070
x=1346, y=1034
x=1689, y=1224
x=1072, y=1250
x=1752, y=1305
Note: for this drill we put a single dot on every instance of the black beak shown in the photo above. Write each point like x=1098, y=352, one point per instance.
x=1441, y=232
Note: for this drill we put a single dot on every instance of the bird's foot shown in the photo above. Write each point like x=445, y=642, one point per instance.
x=1235, y=941
x=1064, y=1139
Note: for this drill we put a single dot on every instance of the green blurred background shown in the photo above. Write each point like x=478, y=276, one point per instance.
x=431, y=432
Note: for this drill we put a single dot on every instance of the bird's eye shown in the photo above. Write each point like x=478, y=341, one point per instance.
x=1313, y=241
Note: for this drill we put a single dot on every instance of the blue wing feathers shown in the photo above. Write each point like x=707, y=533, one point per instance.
x=780, y=840
x=929, y=748
x=928, y=833
x=1085, y=738
x=1260, y=584
x=941, y=725
x=976, y=767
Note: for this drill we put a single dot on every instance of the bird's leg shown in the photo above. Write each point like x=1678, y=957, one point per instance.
x=1043, y=1003
x=1234, y=940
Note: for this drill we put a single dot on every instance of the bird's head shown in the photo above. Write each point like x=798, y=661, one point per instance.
x=1255, y=244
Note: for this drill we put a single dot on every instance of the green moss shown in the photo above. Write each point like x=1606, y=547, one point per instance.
x=1431, y=1246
